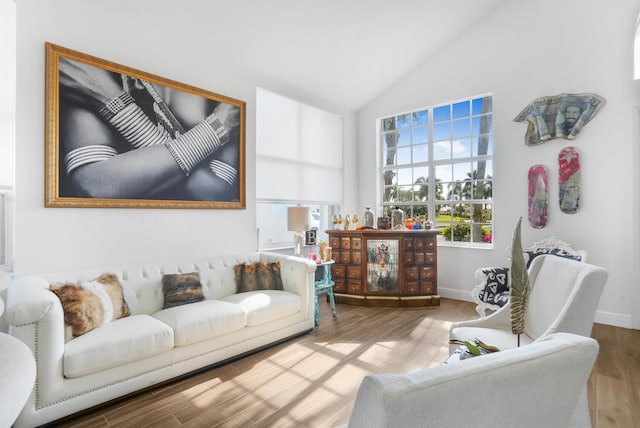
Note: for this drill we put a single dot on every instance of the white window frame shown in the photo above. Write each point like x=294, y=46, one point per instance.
x=431, y=164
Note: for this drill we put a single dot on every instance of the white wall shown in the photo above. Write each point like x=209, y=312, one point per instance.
x=523, y=51
x=7, y=91
x=164, y=39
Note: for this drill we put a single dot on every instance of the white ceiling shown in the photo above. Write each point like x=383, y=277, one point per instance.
x=344, y=51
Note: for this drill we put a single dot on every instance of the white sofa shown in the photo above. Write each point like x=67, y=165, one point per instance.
x=151, y=345
x=540, y=385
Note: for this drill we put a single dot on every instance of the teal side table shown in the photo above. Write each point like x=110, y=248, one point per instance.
x=325, y=285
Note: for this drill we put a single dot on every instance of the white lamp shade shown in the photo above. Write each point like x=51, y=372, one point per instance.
x=297, y=219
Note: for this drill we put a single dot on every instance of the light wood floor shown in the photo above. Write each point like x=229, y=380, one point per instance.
x=311, y=381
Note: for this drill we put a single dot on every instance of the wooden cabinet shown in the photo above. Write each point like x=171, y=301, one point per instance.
x=385, y=268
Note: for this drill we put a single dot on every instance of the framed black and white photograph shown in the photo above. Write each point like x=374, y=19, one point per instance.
x=120, y=137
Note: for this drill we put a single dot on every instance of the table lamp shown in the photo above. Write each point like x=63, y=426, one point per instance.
x=298, y=222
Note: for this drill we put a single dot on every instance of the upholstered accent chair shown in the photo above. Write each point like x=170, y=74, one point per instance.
x=564, y=296
x=492, y=292
x=541, y=385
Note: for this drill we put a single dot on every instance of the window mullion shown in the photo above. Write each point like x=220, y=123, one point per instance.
x=431, y=203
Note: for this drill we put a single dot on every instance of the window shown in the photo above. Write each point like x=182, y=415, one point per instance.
x=298, y=161
x=437, y=161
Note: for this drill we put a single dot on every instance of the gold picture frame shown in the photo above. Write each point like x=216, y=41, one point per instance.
x=117, y=137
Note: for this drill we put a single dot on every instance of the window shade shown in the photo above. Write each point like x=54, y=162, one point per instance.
x=298, y=151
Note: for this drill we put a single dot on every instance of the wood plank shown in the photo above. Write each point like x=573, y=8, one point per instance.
x=614, y=394
x=312, y=381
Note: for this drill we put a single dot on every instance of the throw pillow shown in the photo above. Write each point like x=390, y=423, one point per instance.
x=181, y=289
x=90, y=304
x=257, y=276
x=496, y=286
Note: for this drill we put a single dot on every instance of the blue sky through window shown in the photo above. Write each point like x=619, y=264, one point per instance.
x=455, y=133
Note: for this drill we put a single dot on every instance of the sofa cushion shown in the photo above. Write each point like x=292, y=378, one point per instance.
x=90, y=304
x=257, y=276
x=181, y=289
x=120, y=342
x=266, y=305
x=202, y=320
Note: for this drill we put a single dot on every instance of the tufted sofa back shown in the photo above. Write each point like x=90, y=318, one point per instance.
x=142, y=283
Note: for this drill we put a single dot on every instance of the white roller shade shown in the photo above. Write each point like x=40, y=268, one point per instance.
x=298, y=151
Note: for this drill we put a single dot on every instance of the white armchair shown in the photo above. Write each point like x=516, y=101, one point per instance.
x=17, y=371
x=542, y=385
x=564, y=297
x=492, y=292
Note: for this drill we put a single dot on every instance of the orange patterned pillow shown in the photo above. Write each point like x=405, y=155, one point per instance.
x=257, y=276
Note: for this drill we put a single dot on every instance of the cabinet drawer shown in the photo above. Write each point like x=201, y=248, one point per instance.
x=356, y=257
x=418, y=244
x=419, y=258
x=430, y=259
x=345, y=243
x=430, y=244
x=334, y=242
x=409, y=258
x=353, y=272
x=345, y=257
x=408, y=244
x=411, y=273
x=427, y=287
x=338, y=271
x=411, y=288
x=354, y=287
x=340, y=285
x=427, y=272
x=356, y=243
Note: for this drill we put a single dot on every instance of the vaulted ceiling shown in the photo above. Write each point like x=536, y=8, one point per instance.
x=344, y=51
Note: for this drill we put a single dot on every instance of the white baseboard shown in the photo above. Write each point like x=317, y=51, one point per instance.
x=616, y=320
x=450, y=293
x=607, y=318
